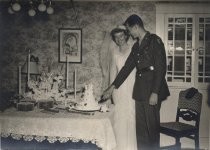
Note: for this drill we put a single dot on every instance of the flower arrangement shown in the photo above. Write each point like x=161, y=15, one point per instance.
x=47, y=87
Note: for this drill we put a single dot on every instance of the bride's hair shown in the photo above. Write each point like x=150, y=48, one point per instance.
x=119, y=29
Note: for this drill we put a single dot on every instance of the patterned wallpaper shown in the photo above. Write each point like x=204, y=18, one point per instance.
x=19, y=32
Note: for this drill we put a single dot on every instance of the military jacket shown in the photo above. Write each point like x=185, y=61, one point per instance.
x=150, y=52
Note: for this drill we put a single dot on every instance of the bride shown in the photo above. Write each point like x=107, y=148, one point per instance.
x=124, y=113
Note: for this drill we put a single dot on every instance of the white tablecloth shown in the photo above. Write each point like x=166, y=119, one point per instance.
x=62, y=126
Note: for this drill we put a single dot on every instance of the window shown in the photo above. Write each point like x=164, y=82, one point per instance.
x=186, y=35
x=187, y=43
x=204, y=50
x=179, y=49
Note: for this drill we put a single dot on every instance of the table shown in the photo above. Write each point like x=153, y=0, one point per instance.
x=62, y=126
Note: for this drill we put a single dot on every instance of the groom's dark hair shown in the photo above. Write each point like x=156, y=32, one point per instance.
x=134, y=20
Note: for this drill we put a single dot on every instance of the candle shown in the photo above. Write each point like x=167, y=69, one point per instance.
x=67, y=72
x=29, y=55
x=19, y=80
x=75, y=83
x=65, y=102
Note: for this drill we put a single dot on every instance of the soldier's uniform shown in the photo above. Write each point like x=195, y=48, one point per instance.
x=149, y=58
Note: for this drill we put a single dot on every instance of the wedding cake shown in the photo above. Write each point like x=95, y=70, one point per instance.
x=87, y=101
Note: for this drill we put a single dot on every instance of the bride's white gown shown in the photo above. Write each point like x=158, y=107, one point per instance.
x=124, y=114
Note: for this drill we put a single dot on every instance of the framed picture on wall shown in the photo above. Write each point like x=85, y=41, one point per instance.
x=70, y=45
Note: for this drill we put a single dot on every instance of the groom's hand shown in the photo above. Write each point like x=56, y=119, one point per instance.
x=153, y=100
x=107, y=94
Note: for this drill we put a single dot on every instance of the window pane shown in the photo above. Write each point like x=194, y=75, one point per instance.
x=189, y=20
x=169, y=73
x=180, y=20
x=189, y=32
x=169, y=79
x=180, y=39
x=207, y=39
x=188, y=80
x=170, y=32
x=170, y=48
x=207, y=47
x=207, y=80
x=200, y=64
x=179, y=64
x=178, y=79
x=207, y=20
x=189, y=44
x=189, y=52
x=170, y=63
x=201, y=20
x=207, y=66
x=180, y=31
x=170, y=20
x=188, y=64
x=201, y=39
x=170, y=39
x=207, y=32
x=200, y=79
x=201, y=32
x=189, y=36
x=201, y=52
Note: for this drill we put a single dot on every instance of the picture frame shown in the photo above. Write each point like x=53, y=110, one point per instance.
x=70, y=45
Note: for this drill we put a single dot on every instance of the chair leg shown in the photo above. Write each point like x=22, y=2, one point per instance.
x=197, y=141
x=178, y=143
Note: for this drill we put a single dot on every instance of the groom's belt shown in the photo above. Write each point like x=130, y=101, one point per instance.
x=146, y=69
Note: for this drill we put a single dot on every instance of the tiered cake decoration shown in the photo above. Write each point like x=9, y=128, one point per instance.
x=88, y=101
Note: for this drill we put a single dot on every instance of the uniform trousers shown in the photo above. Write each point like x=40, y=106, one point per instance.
x=147, y=125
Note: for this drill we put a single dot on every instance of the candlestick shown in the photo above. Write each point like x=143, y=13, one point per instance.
x=29, y=55
x=19, y=80
x=75, y=83
x=67, y=72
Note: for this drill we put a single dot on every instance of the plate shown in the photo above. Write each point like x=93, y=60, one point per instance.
x=82, y=110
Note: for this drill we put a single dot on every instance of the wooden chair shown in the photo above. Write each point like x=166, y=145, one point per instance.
x=188, y=109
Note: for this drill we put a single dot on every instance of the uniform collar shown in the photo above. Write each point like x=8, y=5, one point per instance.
x=145, y=40
x=146, y=37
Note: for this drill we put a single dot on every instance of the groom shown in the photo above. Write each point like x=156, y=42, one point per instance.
x=150, y=88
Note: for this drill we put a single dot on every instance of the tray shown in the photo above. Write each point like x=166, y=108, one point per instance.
x=81, y=110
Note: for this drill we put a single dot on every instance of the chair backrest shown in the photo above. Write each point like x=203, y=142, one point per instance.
x=189, y=108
